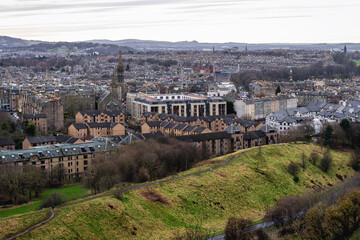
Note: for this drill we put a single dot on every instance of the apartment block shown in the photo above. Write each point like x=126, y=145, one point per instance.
x=183, y=105
x=39, y=120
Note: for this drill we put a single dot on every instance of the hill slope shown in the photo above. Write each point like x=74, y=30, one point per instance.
x=244, y=188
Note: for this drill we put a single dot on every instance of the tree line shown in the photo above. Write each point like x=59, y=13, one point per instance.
x=141, y=162
x=343, y=67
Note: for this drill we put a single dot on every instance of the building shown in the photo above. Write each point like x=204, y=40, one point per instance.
x=75, y=158
x=172, y=129
x=39, y=120
x=100, y=116
x=260, y=108
x=95, y=129
x=7, y=144
x=183, y=105
x=31, y=142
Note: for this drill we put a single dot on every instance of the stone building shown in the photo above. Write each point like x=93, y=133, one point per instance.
x=39, y=120
x=74, y=158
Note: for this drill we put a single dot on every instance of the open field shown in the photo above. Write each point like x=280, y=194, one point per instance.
x=245, y=188
x=70, y=192
x=357, y=62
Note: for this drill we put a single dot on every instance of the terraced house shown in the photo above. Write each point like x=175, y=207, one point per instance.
x=100, y=116
x=74, y=158
x=82, y=130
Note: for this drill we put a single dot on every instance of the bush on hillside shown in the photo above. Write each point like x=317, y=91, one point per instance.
x=355, y=160
x=314, y=158
x=53, y=200
x=326, y=162
x=293, y=168
x=238, y=228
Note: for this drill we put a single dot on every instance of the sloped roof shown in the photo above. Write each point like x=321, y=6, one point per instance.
x=232, y=129
x=204, y=137
x=41, y=139
x=6, y=141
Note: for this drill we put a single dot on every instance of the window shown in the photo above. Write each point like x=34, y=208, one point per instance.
x=85, y=162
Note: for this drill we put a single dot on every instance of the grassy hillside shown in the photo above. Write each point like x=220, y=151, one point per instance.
x=70, y=192
x=244, y=189
x=9, y=227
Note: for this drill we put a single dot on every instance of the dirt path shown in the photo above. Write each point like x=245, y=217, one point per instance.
x=128, y=189
x=33, y=227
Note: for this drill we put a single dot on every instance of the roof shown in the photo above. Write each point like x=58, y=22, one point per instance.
x=80, y=125
x=129, y=139
x=65, y=139
x=232, y=129
x=31, y=116
x=99, y=112
x=41, y=139
x=204, y=137
x=267, y=128
x=6, y=141
x=102, y=125
x=199, y=129
x=154, y=124
x=58, y=150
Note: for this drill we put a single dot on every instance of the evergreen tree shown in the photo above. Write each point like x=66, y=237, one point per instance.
x=278, y=90
x=328, y=138
x=345, y=124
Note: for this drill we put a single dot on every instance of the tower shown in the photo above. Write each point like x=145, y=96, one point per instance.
x=120, y=73
x=345, y=49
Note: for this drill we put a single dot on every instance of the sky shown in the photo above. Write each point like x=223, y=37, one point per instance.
x=250, y=21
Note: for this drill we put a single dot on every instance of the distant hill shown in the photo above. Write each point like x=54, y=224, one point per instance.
x=194, y=45
x=144, y=45
x=9, y=42
x=244, y=188
x=17, y=44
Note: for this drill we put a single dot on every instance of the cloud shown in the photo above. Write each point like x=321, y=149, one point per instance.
x=285, y=17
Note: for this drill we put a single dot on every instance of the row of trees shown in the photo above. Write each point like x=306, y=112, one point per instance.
x=330, y=214
x=141, y=162
x=19, y=184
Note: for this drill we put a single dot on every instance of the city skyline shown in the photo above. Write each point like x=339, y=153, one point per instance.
x=260, y=21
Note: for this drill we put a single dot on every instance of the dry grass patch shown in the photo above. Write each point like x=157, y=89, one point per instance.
x=207, y=162
x=154, y=196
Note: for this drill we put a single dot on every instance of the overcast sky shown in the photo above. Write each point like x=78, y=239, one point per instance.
x=252, y=21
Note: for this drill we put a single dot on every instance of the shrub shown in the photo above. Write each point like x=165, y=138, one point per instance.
x=296, y=179
x=314, y=158
x=238, y=228
x=53, y=200
x=326, y=162
x=118, y=195
x=293, y=168
x=262, y=235
x=355, y=160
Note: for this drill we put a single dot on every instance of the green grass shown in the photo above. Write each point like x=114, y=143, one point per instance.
x=11, y=226
x=357, y=62
x=245, y=188
x=70, y=192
